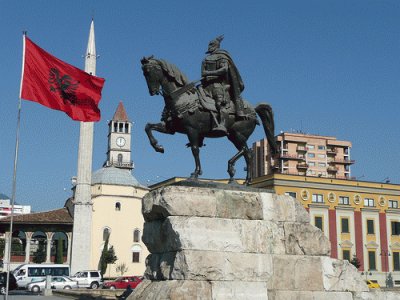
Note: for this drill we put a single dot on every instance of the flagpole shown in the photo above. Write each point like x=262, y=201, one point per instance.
x=14, y=182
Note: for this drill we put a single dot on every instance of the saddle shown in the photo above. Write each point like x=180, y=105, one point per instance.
x=190, y=98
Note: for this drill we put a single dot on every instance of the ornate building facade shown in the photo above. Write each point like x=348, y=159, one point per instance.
x=360, y=218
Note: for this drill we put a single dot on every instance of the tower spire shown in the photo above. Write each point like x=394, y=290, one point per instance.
x=83, y=205
x=90, y=55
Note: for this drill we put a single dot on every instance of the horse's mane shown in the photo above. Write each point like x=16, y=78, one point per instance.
x=173, y=72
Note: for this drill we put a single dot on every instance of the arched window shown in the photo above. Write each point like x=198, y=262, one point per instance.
x=136, y=236
x=136, y=251
x=106, y=233
x=120, y=158
x=117, y=206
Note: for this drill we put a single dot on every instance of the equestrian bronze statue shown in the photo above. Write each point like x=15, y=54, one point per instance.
x=211, y=107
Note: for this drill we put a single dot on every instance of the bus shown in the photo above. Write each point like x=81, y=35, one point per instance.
x=27, y=273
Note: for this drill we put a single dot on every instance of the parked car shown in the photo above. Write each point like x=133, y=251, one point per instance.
x=123, y=282
x=88, y=279
x=372, y=285
x=57, y=282
x=12, y=282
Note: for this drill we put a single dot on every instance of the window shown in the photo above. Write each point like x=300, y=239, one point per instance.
x=106, y=233
x=345, y=225
x=136, y=235
x=126, y=128
x=393, y=204
x=371, y=260
x=344, y=200
x=291, y=194
x=311, y=155
x=346, y=254
x=321, y=147
x=136, y=253
x=120, y=127
x=318, y=198
x=310, y=147
x=395, y=228
x=135, y=257
x=311, y=164
x=369, y=202
x=370, y=227
x=321, y=164
x=318, y=222
x=321, y=155
x=117, y=206
x=396, y=261
x=115, y=127
x=120, y=158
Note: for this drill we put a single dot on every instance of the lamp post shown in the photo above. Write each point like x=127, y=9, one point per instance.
x=386, y=254
x=366, y=273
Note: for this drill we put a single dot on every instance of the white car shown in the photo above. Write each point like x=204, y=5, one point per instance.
x=88, y=279
x=57, y=282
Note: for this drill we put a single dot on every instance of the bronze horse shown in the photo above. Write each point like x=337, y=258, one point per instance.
x=188, y=112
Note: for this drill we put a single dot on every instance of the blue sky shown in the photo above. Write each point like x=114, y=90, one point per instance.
x=326, y=67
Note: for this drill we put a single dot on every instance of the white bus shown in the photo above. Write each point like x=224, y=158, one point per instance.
x=26, y=273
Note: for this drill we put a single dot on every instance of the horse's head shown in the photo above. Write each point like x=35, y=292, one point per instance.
x=155, y=70
x=152, y=71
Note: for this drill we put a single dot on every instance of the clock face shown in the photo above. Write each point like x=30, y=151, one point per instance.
x=120, y=141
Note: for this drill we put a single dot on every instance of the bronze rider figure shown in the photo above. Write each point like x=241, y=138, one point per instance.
x=221, y=81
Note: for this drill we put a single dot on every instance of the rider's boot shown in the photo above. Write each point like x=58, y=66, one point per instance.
x=220, y=126
x=239, y=106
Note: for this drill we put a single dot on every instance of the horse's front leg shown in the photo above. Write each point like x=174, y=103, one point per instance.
x=194, y=143
x=160, y=127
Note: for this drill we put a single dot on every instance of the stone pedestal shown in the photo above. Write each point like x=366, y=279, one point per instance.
x=209, y=243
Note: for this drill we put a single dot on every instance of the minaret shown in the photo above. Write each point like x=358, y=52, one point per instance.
x=119, y=140
x=82, y=235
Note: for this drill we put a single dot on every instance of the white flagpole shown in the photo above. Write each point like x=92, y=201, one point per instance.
x=14, y=182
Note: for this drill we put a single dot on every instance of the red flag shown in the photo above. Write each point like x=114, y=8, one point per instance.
x=58, y=85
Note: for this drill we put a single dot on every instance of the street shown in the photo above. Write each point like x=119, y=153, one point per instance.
x=24, y=295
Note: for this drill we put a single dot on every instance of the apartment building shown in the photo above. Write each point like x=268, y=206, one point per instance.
x=304, y=155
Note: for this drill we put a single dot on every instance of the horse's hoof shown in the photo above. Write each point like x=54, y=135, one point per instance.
x=194, y=176
x=159, y=149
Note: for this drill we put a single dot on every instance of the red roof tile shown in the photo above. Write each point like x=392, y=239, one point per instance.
x=58, y=216
x=120, y=113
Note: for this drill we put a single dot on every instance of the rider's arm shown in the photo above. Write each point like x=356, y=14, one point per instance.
x=221, y=71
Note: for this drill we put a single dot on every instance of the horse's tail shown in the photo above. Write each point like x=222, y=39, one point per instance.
x=266, y=115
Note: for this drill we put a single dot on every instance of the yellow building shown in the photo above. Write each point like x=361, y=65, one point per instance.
x=360, y=218
x=117, y=202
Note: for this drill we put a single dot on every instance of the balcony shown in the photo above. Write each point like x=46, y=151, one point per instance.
x=302, y=166
x=331, y=151
x=332, y=169
x=343, y=161
x=292, y=156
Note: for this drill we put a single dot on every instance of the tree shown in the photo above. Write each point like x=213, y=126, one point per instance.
x=107, y=256
x=355, y=262
x=40, y=254
x=59, y=252
x=121, y=268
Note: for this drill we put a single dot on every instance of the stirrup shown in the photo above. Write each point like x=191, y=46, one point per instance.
x=219, y=129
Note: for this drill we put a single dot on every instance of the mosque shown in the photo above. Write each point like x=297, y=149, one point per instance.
x=116, y=212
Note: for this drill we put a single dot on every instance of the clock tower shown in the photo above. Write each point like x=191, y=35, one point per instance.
x=119, y=140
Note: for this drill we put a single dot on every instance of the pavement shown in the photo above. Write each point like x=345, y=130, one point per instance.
x=25, y=295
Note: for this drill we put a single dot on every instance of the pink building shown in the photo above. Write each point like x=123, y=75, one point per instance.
x=305, y=155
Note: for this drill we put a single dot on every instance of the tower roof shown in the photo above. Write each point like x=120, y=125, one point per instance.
x=120, y=113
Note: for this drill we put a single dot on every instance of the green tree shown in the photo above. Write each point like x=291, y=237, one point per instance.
x=40, y=254
x=107, y=256
x=59, y=252
x=355, y=262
